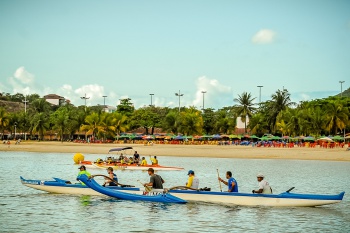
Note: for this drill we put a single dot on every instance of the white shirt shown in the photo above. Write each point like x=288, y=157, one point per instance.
x=195, y=183
x=264, y=185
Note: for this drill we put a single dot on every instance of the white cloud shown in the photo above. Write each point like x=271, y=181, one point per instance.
x=22, y=75
x=215, y=93
x=23, y=82
x=264, y=36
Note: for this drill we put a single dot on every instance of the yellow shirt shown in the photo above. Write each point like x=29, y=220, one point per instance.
x=154, y=161
x=189, y=182
x=143, y=162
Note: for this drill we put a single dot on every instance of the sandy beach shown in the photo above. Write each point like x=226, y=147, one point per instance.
x=248, y=152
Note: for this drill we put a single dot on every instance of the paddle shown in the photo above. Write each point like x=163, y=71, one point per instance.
x=290, y=189
x=217, y=170
x=148, y=189
x=107, y=177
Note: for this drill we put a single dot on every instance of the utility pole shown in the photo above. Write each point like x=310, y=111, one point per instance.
x=203, y=92
x=85, y=98
x=104, y=100
x=341, y=88
x=179, y=95
x=260, y=93
x=25, y=101
x=151, y=99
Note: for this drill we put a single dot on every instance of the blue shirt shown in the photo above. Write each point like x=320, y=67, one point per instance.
x=230, y=182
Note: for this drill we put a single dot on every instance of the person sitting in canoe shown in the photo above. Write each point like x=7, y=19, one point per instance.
x=264, y=186
x=154, y=160
x=193, y=181
x=143, y=162
x=83, y=171
x=156, y=181
x=112, y=176
x=231, y=182
x=131, y=161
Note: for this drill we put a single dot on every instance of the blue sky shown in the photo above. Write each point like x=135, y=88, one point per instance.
x=134, y=48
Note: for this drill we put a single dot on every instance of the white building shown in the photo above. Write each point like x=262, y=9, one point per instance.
x=55, y=99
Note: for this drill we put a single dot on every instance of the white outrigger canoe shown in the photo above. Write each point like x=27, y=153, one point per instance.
x=60, y=186
x=285, y=199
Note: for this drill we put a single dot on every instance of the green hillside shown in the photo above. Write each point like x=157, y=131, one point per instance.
x=346, y=93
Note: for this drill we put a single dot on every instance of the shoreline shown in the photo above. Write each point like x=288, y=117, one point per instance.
x=210, y=151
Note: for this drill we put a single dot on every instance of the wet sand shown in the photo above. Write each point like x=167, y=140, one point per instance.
x=248, y=152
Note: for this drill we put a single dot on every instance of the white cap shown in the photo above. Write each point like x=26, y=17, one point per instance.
x=260, y=175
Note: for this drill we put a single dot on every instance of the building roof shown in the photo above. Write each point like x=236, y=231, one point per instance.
x=53, y=96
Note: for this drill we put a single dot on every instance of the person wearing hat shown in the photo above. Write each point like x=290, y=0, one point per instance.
x=113, y=179
x=264, y=186
x=83, y=171
x=231, y=182
x=193, y=181
x=156, y=181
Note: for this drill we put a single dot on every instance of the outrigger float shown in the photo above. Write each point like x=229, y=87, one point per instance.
x=116, y=165
x=178, y=195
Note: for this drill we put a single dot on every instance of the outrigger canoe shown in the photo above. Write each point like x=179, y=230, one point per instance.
x=285, y=199
x=61, y=186
x=119, y=166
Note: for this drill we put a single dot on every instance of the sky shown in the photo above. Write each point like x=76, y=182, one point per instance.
x=131, y=49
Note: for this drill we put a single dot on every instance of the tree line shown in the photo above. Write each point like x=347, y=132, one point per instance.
x=278, y=115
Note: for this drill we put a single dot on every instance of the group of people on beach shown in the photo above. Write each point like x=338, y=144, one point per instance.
x=156, y=181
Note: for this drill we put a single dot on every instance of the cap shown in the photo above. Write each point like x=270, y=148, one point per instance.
x=190, y=172
x=260, y=175
x=82, y=166
x=150, y=169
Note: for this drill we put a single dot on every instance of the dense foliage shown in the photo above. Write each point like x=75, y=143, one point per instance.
x=277, y=116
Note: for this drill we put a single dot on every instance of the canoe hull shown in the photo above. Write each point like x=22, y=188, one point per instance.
x=245, y=199
x=135, y=167
x=60, y=186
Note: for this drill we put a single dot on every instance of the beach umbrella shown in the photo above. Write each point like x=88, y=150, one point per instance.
x=338, y=138
x=216, y=136
x=326, y=139
x=276, y=138
x=179, y=137
x=224, y=136
x=309, y=139
x=254, y=136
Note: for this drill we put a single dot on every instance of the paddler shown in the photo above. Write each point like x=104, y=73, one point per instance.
x=83, y=171
x=264, y=186
x=156, y=181
x=143, y=161
x=113, y=179
x=154, y=160
x=231, y=182
x=193, y=181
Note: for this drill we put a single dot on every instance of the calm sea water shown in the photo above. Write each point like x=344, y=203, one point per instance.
x=23, y=209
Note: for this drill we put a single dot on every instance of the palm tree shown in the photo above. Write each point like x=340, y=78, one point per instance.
x=279, y=102
x=60, y=119
x=120, y=122
x=93, y=124
x=191, y=121
x=40, y=123
x=337, y=116
x=4, y=121
x=245, y=108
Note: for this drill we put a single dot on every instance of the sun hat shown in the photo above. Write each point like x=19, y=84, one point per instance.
x=260, y=175
x=190, y=172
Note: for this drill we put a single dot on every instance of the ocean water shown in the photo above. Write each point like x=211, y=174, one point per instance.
x=23, y=209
